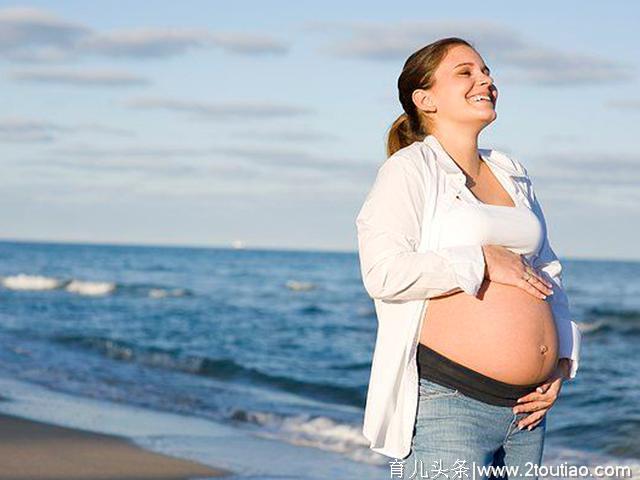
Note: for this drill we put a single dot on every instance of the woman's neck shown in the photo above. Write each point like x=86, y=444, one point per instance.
x=463, y=149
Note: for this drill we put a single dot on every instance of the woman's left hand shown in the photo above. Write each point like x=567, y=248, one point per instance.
x=540, y=401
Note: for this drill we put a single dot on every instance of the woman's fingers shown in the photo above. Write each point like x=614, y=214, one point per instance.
x=509, y=268
x=537, y=282
x=535, y=424
x=527, y=287
x=534, y=396
x=540, y=278
x=533, y=271
x=532, y=281
x=531, y=420
x=543, y=388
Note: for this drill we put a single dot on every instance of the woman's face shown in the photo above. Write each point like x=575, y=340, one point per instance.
x=456, y=83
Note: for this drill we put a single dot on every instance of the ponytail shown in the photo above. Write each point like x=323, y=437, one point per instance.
x=402, y=134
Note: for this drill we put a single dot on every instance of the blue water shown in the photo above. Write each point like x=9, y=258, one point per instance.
x=277, y=344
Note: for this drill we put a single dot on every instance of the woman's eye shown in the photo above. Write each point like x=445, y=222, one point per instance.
x=465, y=73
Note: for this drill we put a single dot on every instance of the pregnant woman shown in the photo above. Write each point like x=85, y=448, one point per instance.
x=474, y=331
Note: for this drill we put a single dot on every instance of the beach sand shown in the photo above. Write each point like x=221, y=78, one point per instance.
x=35, y=450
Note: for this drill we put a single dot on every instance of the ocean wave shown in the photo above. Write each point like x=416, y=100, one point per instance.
x=352, y=366
x=218, y=368
x=353, y=396
x=586, y=327
x=366, y=312
x=90, y=288
x=312, y=309
x=612, y=319
x=300, y=286
x=328, y=434
x=306, y=430
x=620, y=313
x=171, y=292
x=31, y=282
x=26, y=282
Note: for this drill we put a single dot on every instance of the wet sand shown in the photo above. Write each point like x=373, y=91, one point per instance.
x=35, y=450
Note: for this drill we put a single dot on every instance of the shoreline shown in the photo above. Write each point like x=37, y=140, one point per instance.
x=37, y=450
x=57, y=425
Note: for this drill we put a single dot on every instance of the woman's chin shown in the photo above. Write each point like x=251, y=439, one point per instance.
x=488, y=117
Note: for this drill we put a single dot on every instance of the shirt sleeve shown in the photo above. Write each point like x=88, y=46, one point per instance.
x=389, y=227
x=569, y=335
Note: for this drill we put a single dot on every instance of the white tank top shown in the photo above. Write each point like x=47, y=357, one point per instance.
x=477, y=223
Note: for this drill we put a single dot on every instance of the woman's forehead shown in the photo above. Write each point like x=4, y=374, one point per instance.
x=461, y=54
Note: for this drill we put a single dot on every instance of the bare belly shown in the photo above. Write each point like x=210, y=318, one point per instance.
x=504, y=333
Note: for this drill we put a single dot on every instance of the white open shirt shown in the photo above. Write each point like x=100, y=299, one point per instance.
x=403, y=266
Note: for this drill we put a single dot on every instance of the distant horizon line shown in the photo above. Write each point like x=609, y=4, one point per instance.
x=229, y=246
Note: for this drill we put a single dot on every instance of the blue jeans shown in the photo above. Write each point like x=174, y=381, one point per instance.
x=458, y=435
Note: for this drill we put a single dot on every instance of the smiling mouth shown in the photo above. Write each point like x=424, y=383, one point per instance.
x=480, y=99
x=482, y=103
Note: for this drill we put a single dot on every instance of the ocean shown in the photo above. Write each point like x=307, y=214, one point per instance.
x=269, y=348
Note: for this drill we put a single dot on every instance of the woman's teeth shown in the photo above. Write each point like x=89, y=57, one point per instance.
x=480, y=98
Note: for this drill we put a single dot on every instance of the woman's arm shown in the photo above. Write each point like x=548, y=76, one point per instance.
x=389, y=228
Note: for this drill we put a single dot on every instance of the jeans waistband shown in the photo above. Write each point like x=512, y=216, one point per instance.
x=436, y=367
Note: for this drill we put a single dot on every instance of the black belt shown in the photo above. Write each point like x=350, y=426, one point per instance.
x=442, y=370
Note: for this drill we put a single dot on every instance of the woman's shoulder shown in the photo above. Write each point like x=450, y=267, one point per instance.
x=414, y=158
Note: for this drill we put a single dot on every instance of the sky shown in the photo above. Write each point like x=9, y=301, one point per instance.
x=202, y=123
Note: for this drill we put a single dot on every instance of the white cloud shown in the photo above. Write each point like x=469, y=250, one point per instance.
x=24, y=27
x=28, y=130
x=249, y=44
x=85, y=78
x=221, y=110
x=531, y=62
x=20, y=130
x=34, y=35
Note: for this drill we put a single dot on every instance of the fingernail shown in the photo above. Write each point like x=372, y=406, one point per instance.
x=539, y=390
x=519, y=427
x=530, y=427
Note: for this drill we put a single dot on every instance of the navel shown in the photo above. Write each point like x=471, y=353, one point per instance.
x=543, y=349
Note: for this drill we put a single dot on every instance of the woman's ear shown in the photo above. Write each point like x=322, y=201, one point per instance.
x=423, y=100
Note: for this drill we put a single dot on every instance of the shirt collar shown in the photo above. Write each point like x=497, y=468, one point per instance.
x=452, y=168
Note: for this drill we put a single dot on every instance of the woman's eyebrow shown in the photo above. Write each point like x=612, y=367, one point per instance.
x=469, y=63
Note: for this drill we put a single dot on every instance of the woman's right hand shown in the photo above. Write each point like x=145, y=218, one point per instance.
x=504, y=266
